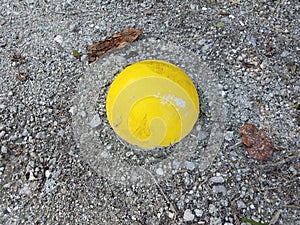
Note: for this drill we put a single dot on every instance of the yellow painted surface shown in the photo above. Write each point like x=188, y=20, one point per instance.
x=152, y=103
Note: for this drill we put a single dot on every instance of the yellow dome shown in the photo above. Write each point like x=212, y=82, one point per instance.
x=152, y=103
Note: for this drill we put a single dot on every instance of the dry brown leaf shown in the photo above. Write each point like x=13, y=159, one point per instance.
x=116, y=41
x=259, y=146
x=247, y=65
x=223, y=13
x=22, y=76
x=293, y=69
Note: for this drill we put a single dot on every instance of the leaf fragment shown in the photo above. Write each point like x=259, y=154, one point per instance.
x=247, y=65
x=76, y=54
x=116, y=41
x=258, y=145
x=22, y=76
x=293, y=69
x=220, y=24
x=223, y=13
x=253, y=222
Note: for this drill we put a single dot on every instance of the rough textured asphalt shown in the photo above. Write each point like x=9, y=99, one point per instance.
x=48, y=174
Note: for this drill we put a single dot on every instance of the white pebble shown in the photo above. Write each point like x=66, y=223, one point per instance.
x=188, y=215
x=216, y=180
x=159, y=171
x=199, y=212
x=58, y=39
x=95, y=121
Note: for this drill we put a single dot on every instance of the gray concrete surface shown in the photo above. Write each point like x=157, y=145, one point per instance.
x=60, y=161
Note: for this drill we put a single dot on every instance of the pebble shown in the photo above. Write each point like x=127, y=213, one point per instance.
x=159, y=171
x=7, y=185
x=199, y=212
x=25, y=190
x=61, y=133
x=216, y=180
x=202, y=135
x=212, y=209
x=241, y=204
x=3, y=149
x=205, y=48
x=229, y=135
x=14, y=137
x=171, y=215
x=58, y=39
x=188, y=215
x=47, y=173
x=40, y=135
x=284, y=54
x=215, y=221
x=25, y=133
x=72, y=110
x=82, y=114
x=219, y=189
x=2, y=133
x=95, y=122
x=190, y=165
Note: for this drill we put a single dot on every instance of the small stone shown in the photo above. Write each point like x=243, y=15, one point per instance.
x=40, y=135
x=252, y=40
x=95, y=121
x=219, y=189
x=3, y=149
x=190, y=165
x=14, y=137
x=31, y=177
x=201, y=41
x=284, y=54
x=58, y=39
x=82, y=114
x=72, y=110
x=6, y=185
x=2, y=106
x=24, y=133
x=25, y=190
x=188, y=215
x=215, y=221
x=216, y=180
x=202, y=135
x=171, y=215
x=205, y=48
x=212, y=209
x=199, y=212
x=229, y=135
x=61, y=133
x=47, y=173
x=2, y=133
x=241, y=204
x=159, y=171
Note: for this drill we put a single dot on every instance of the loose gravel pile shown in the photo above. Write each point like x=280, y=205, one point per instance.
x=60, y=162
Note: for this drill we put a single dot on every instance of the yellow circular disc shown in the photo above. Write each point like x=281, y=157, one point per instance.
x=152, y=103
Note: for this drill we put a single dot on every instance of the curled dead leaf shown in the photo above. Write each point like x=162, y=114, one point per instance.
x=247, y=65
x=258, y=145
x=22, y=76
x=116, y=41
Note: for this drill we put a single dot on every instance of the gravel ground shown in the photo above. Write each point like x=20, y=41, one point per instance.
x=60, y=161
